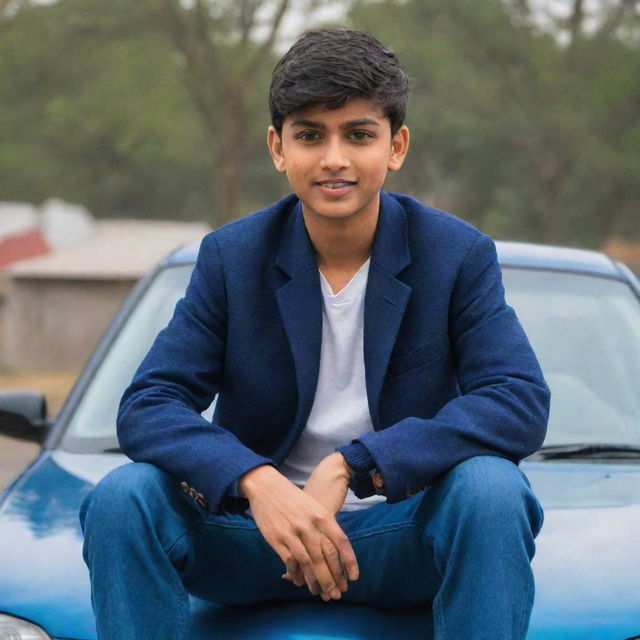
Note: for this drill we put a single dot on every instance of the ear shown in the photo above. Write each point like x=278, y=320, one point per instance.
x=399, y=148
x=274, y=142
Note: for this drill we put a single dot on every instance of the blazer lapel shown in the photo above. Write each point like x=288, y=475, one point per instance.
x=386, y=297
x=300, y=304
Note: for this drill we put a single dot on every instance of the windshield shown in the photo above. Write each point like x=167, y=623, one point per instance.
x=584, y=329
x=95, y=416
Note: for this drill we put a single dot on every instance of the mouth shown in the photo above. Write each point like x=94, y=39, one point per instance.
x=335, y=185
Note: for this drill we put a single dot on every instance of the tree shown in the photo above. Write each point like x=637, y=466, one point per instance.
x=512, y=116
x=96, y=117
x=226, y=51
x=223, y=64
x=526, y=125
x=149, y=109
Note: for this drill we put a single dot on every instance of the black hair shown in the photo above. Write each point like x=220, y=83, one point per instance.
x=332, y=66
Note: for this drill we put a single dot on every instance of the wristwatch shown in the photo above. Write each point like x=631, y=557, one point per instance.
x=366, y=479
x=378, y=482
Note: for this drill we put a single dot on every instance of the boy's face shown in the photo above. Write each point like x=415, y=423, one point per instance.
x=336, y=160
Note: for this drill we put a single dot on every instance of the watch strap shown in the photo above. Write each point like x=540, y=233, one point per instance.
x=364, y=468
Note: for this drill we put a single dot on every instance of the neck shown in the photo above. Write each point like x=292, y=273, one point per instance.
x=342, y=244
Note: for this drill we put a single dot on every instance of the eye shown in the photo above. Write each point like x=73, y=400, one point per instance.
x=307, y=135
x=360, y=134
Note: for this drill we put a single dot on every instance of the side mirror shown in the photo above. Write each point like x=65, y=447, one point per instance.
x=23, y=415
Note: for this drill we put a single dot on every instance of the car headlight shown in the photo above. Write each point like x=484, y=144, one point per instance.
x=16, y=629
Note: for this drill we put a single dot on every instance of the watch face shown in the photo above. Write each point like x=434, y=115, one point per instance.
x=378, y=482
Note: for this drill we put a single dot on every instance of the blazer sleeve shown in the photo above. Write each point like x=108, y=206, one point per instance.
x=159, y=418
x=503, y=406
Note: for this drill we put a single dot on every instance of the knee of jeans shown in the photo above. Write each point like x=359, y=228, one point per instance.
x=494, y=488
x=121, y=492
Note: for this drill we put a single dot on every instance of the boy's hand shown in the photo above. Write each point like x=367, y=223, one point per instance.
x=301, y=530
x=328, y=484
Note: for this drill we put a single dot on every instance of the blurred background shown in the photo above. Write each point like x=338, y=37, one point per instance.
x=129, y=127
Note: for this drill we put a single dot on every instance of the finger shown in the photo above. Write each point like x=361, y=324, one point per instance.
x=312, y=541
x=341, y=542
x=312, y=584
x=305, y=567
x=299, y=577
x=294, y=573
x=332, y=558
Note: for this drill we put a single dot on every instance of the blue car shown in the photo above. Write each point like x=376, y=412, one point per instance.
x=581, y=311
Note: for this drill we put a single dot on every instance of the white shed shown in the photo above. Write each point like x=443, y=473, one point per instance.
x=58, y=305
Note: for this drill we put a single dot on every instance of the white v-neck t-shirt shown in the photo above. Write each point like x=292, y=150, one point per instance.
x=340, y=409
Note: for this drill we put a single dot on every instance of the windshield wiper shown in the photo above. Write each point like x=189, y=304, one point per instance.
x=587, y=450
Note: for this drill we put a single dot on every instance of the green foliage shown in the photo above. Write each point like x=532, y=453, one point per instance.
x=528, y=138
x=102, y=121
x=94, y=110
x=158, y=109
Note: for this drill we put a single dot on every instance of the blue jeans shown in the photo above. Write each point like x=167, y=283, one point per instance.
x=464, y=545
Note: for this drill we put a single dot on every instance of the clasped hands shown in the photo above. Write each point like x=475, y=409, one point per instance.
x=301, y=527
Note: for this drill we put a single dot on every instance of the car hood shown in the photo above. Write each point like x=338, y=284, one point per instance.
x=587, y=579
x=43, y=577
x=587, y=564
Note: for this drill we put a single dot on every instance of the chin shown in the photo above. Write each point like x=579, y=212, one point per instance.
x=338, y=210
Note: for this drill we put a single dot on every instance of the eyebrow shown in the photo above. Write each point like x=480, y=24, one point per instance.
x=312, y=124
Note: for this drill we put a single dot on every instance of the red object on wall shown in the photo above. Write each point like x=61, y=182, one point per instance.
x=19, y=246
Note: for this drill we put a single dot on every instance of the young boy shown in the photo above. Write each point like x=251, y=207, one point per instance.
x=375, y=393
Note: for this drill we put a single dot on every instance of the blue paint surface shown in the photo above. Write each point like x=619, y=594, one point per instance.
x=586, y=565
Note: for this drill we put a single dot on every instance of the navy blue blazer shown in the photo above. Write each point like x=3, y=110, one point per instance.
x=449, y=371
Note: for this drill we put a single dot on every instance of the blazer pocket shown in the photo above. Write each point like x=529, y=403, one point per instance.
x=428, y=352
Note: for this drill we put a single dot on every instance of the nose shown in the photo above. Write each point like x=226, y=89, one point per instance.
x=334, y=157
